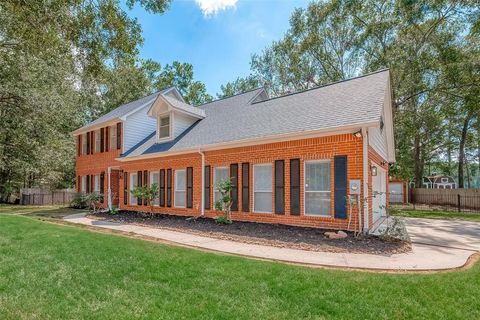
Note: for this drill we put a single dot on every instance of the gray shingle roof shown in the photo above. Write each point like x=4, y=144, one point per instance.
x=351, y=102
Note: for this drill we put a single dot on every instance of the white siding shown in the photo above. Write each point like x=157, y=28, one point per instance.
x=181, y=123
x=137, y=127
x=378, y=140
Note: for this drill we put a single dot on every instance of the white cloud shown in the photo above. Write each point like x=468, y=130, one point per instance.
x=212, y=7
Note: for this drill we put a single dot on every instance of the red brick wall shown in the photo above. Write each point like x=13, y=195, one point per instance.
x=307, y=149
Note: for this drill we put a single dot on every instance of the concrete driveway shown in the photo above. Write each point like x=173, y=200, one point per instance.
x=453, y=234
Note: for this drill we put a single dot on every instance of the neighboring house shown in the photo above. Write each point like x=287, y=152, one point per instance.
x=438, y=181
x=291, y=158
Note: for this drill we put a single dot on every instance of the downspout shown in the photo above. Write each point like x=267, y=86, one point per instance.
x=202, y=202
x=109, y=192
x=365, y=180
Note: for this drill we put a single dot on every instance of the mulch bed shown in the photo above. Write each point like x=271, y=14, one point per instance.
x=261, y=233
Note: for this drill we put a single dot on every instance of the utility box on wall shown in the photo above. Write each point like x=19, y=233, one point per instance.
x=354, y=187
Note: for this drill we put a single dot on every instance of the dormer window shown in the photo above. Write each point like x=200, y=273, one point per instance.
x=164, y=127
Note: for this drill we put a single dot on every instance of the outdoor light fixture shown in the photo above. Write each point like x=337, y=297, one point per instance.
x=374, y=171
x=358, y=134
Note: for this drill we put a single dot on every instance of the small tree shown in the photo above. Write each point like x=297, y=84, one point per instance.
x=225, y=202
x=147, y=194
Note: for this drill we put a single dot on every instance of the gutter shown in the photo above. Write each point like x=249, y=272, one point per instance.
x=365, y=180
x=202, y=201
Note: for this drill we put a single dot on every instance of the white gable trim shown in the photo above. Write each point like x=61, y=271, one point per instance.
x=388, y=121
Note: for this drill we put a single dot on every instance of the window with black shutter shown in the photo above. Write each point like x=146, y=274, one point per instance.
x=88, y=142
x=245, y=187
x=234, y=186
x=162, y=188
x=119, y=135
x=145, y=183
x=125, y=188
x=279, y=187
x=79, y=145
x=92, y=142
x=102, y=185
x=340, y=186
x=207, y=194
x=102, y=139
x=139, y=184
x=107, y=139
x=169, y=188
x=189, y=187
x=295, y=187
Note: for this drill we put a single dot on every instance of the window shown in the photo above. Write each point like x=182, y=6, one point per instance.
x=84, y=143
x=97, y=184
x=97, y=140
x=113, y=137
x=84, y=184
x=154, y=180
x=133, y=185
x=262, y=188
x=219, y=174
x=180, y=189
x=164, y=127
x=317, y=188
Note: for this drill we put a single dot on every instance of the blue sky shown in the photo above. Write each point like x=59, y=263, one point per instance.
x=216, y=36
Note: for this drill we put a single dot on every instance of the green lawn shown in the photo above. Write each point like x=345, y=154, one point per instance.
x=56, y=271
x=437, y=214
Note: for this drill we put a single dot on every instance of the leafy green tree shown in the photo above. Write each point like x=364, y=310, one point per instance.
x=240, y=85
x=180, y=75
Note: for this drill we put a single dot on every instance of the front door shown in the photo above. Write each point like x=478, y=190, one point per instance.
x=115, y=186
x=379, y=194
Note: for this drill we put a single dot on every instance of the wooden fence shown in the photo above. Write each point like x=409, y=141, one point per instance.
x=447, y=199
x=40, y=197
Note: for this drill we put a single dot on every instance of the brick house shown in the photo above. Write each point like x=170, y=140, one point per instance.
x=306, y=158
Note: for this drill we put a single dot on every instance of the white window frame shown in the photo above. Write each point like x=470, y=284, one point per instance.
x=170, y=126
x=253, y=186
x=84, y=143
x=175, y=189
x=215, y=182
x=98, y=141
x=133, y=183
x=113, y=138
x=151, y=181
x=305, y=192
x=83, y=184
x=96, y=184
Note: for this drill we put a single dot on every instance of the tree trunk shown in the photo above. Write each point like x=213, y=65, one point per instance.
x=461, y=151
x=418, y=162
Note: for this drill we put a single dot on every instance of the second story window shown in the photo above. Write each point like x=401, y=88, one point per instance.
x=84, y=143
x=164, y=127
x=113, y=137
x=97, y=141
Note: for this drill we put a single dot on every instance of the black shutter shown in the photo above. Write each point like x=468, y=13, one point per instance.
x=139, y=184
x=79, y=145
x=145, y=183
x=234, y=185
x=125, y=188
x=79, y=184
x=88, y=142
x=207, y=195
x=279, y=187
x=340, y=184
x=92, y=142
x=102, y=139
x=295, y=187
x=107, y=139
x=119, y=135
x=162, y=188
x=169, y=188
x=87, y=187
x=189, y=187
x=102, y=185
x=245, y=187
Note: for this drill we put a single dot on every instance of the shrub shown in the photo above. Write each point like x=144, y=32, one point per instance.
x=225, y=202
x=79, y=201
x=148, y=194
x=113, y=210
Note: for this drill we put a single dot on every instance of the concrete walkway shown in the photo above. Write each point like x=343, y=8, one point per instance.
x=422, y=257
